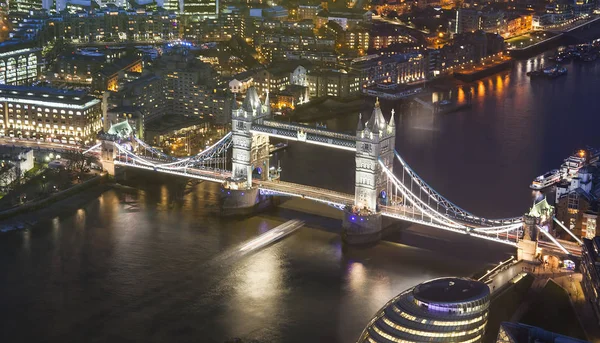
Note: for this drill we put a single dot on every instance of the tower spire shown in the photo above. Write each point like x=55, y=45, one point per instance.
x=359, y=127
x=392, y=122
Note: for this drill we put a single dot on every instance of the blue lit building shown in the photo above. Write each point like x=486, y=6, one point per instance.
x=440, y=310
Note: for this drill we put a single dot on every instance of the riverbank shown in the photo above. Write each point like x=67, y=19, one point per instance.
x=61, y=203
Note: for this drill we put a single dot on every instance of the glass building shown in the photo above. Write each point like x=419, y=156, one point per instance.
x=440, y=310
x=19, y=64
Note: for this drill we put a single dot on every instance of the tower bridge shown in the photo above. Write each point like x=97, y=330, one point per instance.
x=381, y=193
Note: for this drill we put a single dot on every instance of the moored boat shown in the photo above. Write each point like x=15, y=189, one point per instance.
x=546, y=180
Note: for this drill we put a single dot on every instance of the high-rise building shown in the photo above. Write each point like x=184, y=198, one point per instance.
x=201, y=9
x=24, y=6
x=172, y=5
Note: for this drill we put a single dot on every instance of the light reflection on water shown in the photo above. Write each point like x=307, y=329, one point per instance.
x=149, y=264
x=136, y=259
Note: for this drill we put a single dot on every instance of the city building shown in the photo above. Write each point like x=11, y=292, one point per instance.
x=275, y=13
x=145, y=94
x=333, y=82
x=358, y=38
x=107, y=78
x=521, y=333
x=49, y=114
x=131, y=114
x=241, y=82
x=411, y=68
x=290, y=97
x=383, y=35
x=117, y=24
x=468, y=20
x=376, y=69
x=440, y=310
x=192, y=88
x=590, y=270
x=201, y=9
x=308, y=11
x=577, y=205
x=20, y=63
x=14, y=163
x=347, y=19
x=278, y=76
x=24, y=6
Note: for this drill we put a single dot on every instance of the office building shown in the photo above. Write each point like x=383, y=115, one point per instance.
x=24, y=6
x=440, y=310
x=201, y=9
x=49, y=114
x=333, y=82
x=20, y=63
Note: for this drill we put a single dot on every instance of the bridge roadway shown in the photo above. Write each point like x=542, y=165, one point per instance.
x=341, y=200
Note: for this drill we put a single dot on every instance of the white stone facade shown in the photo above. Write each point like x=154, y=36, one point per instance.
x=250, y=151
x=375, y=141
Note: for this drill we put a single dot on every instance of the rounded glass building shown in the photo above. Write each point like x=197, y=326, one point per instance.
x=440, y=310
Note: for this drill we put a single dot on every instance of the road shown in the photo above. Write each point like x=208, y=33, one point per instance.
x=4, y=141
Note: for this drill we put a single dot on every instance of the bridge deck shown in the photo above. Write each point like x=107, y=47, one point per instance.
x=306, y=134
x=313, y=193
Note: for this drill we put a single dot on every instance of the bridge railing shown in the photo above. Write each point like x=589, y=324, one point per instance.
x=309, y=129
x=310, y=137
x=303, y=189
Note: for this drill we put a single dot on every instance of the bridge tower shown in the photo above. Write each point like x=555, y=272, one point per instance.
x=250, y=151
x=107, y=156
x=538, y=217
x=375, y=141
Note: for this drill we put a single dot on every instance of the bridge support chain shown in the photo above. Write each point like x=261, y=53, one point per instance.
x=243, y=201
x=528, y=246
x=361, y=229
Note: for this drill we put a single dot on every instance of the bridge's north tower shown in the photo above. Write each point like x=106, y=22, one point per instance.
x=250, y=151
x=375, y=140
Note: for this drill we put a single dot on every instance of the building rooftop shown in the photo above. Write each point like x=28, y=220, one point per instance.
x=450, y=290
x=11, y=46
x=47, y=95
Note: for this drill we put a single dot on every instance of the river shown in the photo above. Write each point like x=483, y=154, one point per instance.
x=153, y=265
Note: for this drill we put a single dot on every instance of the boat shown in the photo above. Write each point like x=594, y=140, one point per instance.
x=558, y=72
x=572, y=164
x=445, y=102
x=546, y=180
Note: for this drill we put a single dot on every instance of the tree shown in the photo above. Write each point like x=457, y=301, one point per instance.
x=78, y=161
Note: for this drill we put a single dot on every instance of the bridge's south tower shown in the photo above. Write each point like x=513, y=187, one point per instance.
x=250, y=152
x=375, y=140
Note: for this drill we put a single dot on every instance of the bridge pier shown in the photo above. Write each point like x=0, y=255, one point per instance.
x=361, y=229
x=242, y=201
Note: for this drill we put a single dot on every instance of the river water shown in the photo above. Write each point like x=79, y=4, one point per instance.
x=152, y=264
